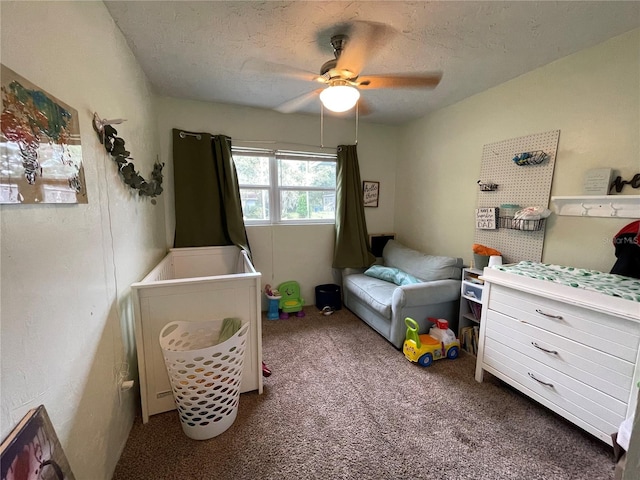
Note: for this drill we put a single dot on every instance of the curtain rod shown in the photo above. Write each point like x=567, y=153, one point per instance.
x=284, y=143
x=184, y=134
x=199, y=137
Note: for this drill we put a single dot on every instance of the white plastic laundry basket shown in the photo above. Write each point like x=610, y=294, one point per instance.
x=205, y=376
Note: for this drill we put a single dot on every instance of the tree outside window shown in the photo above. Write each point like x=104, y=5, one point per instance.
x=281, y=186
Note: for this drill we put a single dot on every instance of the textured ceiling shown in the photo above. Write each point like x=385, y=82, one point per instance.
x=210, y=50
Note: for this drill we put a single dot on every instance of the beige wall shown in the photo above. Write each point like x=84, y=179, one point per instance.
x=66, y=269
x=287, y=252
x=592, y=97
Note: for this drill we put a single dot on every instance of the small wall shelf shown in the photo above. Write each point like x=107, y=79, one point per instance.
x=620, y=206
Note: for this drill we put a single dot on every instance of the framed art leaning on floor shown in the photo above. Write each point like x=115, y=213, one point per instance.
x=32, y=450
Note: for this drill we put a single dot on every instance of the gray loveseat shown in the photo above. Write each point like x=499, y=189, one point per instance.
x=384, y=305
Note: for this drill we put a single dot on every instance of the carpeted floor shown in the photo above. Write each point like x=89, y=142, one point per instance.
x=342, y=403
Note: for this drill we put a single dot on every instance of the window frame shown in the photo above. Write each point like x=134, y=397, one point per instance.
x=274, y=189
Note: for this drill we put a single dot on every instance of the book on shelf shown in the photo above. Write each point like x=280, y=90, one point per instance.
x=476, y=334
x=469, y=339
x=466, y=339
x=475, y=308
x=474, y=278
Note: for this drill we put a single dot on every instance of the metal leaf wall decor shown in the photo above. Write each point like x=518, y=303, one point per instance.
x=114, y=145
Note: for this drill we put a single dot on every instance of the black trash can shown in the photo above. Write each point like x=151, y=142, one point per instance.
x=328, y=295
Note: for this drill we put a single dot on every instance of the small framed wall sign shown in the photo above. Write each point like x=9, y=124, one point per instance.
x=370, y=191
x=597, y=181
x=486, y=218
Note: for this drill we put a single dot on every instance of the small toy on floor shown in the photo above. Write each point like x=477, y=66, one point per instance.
x=271, y=293
x=291, y=300
x=266, y=371
x=423, y=349
x=274, y=301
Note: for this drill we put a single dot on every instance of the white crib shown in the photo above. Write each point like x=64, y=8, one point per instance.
x=194, y=284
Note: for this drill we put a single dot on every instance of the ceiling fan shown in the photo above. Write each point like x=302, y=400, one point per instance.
x=341, y=75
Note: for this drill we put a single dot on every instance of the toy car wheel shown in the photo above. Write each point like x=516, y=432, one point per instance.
x=452, y=353
x=425, y=360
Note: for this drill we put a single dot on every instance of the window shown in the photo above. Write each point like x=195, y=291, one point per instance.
x=278, y=186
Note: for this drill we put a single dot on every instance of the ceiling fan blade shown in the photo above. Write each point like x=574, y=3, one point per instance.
x=296, y=103
x=364, y=38
x=425, y=80
x=261, y=67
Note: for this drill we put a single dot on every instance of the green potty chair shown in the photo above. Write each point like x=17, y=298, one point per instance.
x=291, y=301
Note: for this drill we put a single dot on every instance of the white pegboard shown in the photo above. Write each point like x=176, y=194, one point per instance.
x=527, y=186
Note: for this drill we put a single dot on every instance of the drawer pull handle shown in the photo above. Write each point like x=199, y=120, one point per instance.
x=543, y=349
x=557, y=317
x=540, y=381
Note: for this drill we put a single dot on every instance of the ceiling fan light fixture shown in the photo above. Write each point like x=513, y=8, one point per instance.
x=339, y=98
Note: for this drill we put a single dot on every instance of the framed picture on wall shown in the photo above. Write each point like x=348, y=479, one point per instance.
x=370, y=191
x=41, y=150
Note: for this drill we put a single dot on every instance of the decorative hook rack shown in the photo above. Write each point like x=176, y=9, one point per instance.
x=614, y=210
x=616, y=206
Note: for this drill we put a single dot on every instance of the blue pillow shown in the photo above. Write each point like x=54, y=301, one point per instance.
x=403, y=278
x=390, y=274
x=383, y=273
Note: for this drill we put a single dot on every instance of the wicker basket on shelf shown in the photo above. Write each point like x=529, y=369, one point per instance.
x=521, y=223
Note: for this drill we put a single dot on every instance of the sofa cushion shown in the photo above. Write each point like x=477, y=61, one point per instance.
x=420, y=265
x=391, y=274
x=373, y=292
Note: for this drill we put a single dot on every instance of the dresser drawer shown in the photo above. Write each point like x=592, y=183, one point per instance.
x=582, y=404
x=606, y=373
x=613, y=335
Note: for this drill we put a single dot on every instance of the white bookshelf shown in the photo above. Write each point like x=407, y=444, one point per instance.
x=471, y=296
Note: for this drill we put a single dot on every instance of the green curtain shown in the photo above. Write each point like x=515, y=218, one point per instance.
x=352, y=246
x=207, y=195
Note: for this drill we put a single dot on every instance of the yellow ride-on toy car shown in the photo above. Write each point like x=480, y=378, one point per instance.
x=424, y=349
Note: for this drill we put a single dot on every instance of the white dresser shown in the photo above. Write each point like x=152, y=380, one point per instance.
x=575, y=351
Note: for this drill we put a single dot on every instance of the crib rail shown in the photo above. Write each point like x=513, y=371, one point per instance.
x=163, y=271
x=244, y=263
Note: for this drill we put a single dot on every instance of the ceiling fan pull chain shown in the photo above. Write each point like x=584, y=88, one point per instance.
x=357, y=116
x=321, y=125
